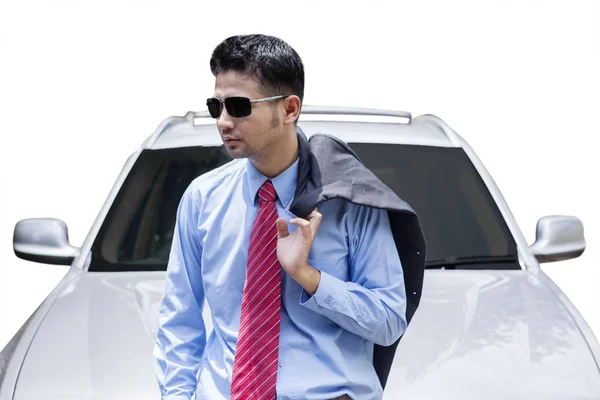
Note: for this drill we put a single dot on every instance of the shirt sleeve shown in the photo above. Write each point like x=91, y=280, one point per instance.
x=373, y=303
x=181, y=334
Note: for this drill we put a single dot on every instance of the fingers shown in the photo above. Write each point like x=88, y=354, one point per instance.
x=304, y=225
x=310, y=225
x=315, y=221
x=282, y=228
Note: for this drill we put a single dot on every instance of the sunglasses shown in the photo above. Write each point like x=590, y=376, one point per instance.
x=237, y=107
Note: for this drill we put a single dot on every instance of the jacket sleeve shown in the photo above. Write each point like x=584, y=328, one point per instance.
x=181, y=334
x=372, y=304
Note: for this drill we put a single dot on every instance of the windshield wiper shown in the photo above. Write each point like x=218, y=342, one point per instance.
x=452, y=262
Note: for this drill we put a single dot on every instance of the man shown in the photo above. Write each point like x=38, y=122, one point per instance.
x=297, y=308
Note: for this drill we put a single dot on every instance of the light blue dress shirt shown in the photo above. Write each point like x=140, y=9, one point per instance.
x=326, y=340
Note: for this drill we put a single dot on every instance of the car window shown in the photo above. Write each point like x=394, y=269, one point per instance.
x=458, y=215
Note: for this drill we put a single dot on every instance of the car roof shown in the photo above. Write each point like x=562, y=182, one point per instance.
x=362, y=125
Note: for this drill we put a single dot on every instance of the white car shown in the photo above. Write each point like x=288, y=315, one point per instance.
x=491, y=324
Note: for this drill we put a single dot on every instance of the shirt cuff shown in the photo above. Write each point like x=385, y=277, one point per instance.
x=331, y=295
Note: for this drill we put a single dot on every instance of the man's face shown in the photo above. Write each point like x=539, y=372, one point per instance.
x=256, y=135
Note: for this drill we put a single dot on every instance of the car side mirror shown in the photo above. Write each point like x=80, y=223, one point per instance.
x=43, y=240
x=558, y=238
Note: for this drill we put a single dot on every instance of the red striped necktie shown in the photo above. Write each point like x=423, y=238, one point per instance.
x=255, y=361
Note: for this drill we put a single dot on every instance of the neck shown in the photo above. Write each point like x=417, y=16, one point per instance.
x=280, y=158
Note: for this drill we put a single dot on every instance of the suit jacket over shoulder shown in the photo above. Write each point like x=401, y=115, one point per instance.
x=328, y=168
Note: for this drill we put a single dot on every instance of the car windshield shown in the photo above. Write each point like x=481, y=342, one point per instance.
x=459, y=217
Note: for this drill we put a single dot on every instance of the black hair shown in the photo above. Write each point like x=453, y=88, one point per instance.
x=272, y=63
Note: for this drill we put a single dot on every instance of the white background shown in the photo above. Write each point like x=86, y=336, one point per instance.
x=83, y=83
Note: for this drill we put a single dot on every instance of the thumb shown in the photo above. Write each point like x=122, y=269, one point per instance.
x=282, y=228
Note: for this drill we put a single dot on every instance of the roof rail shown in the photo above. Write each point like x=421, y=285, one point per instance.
x=314, y=110
x=330, y=110
x=355, y=111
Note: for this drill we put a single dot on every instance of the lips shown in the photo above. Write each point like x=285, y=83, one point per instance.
x=230, y=142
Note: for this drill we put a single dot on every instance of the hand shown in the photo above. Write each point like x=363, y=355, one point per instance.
x=293, y=250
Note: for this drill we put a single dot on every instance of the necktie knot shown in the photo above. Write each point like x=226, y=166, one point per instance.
x=267, y=192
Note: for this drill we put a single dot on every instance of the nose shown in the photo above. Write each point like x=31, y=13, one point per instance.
x=224, y=122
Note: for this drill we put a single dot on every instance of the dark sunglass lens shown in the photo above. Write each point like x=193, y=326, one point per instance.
x=238, y=106
x=214, y=107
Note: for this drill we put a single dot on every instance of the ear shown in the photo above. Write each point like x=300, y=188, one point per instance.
x=291, y=109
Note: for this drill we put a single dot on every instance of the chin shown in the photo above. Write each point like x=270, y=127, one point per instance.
x=237, y=153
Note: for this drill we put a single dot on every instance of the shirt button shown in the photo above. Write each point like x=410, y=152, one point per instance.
x=285, y=398
x=280, y=363
x=328, y=300
x=359, y=318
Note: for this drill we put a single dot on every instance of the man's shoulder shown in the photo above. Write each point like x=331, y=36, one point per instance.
x=345, y=207
x=219, y=177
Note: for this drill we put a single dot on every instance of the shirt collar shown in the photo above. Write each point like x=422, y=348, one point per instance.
x=284, y=183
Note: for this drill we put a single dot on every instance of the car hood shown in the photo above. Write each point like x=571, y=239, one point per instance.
x=477, y=334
